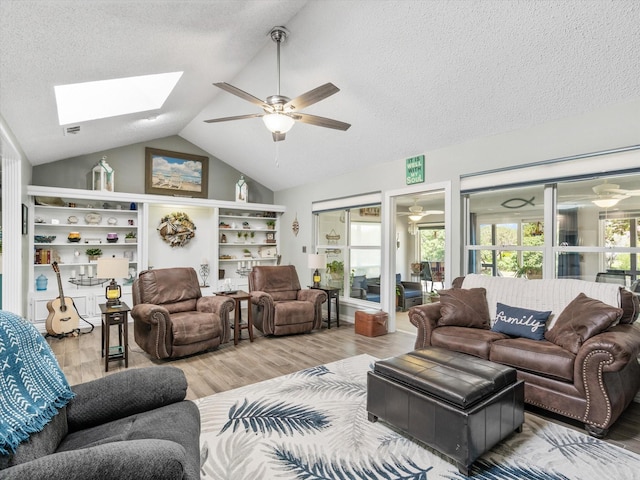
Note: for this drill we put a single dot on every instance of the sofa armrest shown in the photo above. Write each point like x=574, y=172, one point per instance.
x=262, y=299
x=374, y=288
x=621, y=343
x=425, y=318
x=219, y=304
x=360, y=293
x=412, y=285
x=316, y=296
x=150, y=314
x=123, y=394
x=158, y=459
x=263, y=313
x=607, y=373
x=222, y=306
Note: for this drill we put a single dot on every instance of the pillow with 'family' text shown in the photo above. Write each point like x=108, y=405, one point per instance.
x=520, y=322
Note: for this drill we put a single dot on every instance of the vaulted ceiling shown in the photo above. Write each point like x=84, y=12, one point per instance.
x=414, y=75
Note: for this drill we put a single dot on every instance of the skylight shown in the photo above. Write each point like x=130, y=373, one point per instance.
x=79, y=102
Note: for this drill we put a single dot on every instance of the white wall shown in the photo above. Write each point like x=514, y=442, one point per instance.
x=162, y=255
x=612, y=127
x=128, y=163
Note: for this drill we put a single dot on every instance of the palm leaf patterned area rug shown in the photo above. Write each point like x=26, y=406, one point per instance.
x=313, y=424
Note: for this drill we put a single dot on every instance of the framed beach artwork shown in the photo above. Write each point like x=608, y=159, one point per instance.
x=178, y=174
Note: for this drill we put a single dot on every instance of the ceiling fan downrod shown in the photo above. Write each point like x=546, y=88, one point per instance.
x=278, y=35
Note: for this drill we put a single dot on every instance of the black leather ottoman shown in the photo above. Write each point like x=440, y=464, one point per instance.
x=455, y=403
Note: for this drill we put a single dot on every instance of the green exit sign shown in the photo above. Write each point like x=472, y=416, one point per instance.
x=415, y=170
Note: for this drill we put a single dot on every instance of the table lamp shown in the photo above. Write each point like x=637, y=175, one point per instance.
x=317, y=260
x=113, y=268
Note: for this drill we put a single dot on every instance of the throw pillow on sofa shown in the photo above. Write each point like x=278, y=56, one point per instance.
x=583, y=318
x=461, y=307
x=520, y=322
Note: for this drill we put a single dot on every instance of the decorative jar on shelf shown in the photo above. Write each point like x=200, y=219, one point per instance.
x=112, y=237
x=41, y=282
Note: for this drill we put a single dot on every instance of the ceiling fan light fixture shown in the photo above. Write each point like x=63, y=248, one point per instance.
x=606, y=202
x=415, y=218
x=278, y=123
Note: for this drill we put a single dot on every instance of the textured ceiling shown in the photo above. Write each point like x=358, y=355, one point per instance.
x=414, y=76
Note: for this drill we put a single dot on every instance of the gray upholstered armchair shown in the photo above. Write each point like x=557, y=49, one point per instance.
x=172, y=318
x=280, y=306
x=129, y=425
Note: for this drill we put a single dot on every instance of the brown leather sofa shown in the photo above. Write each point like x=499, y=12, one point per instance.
x=280, y=305
x=592, y=380
x=171, y=317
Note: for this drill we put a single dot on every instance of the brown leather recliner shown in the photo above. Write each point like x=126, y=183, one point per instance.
x=172, y=319
x=280, y=306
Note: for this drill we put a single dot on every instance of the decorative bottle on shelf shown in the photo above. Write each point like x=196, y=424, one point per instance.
x=41, y=282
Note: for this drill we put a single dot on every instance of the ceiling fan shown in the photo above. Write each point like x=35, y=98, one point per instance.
x=609, y=194
x=613, y=189
x=280, y=112
x=416, y=212
x=605, y=195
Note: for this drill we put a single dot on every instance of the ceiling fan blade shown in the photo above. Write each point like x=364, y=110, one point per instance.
x=320, y=121
x=277, y=137
x=621, y=191
x=242, y=94
x=237, y=117
x=311, y=97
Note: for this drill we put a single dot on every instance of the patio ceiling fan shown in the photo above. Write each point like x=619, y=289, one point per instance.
x=280, y=112
x=613, y=189
x=605, y=195
x=416, y=212
x=609, y=194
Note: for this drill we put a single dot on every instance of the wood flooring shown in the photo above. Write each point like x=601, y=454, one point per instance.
x=229, y=366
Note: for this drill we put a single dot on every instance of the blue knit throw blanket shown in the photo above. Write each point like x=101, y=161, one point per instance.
x=32, y=386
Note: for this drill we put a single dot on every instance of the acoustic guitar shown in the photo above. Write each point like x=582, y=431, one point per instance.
x=63, y=317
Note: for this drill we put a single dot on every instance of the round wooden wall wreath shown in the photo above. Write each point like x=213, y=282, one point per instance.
x=176, y=229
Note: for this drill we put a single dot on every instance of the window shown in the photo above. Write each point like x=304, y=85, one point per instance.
x=352, y=238
x=593, y=235
x=506, y=232
x=598, y=229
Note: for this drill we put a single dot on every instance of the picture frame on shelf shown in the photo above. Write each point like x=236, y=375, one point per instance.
x=175, y=173
x=271, y=237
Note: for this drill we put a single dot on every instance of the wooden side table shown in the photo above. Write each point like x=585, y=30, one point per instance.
x=115, y=316
x=238, y=326
x=332, y=294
